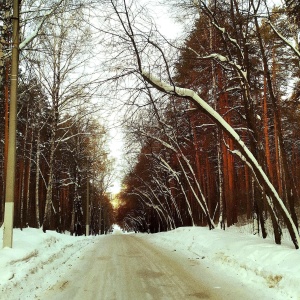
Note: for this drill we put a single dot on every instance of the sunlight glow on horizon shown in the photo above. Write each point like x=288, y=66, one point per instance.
x=115, y=188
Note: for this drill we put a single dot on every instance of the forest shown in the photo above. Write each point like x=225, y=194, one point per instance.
x=210, y=117
x=238, y=68
x=62, y=166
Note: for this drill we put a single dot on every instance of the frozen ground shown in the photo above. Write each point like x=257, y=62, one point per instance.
x=38, y=261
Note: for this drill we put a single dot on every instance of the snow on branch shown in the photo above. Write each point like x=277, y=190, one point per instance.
x=214, y=115
x=296, y=51
x=214, y=22
x=222, y=58
x=34, y=34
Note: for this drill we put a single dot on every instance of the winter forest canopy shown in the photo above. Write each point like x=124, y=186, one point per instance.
x=210, y=118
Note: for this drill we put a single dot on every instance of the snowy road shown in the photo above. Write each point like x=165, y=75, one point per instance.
x=129, y=267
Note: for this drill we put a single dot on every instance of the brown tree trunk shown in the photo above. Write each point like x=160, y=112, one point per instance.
x=266, y=132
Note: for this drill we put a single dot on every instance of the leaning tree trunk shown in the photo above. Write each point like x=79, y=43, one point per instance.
x=274, y=201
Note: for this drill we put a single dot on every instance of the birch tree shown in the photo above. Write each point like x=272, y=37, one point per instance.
x=61, y=56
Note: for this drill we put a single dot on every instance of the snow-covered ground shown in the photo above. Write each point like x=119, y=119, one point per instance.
x=38, y=260
x=238, y=254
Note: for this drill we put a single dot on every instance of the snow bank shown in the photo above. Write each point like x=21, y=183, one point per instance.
x=261, y=262
x=36, y=261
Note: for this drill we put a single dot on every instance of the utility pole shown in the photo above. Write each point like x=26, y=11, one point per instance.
x=87, y=221
x=11, y=163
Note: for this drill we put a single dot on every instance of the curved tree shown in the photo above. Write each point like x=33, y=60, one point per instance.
x=154, y=67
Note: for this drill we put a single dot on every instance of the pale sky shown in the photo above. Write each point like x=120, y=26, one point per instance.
x=170, y=29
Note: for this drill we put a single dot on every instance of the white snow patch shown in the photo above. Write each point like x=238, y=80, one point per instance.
x=117, y=229
x=38, y=260
x=272, y=269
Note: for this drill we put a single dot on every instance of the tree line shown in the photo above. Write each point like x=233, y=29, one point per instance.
x=219, y=134
x=63, y=170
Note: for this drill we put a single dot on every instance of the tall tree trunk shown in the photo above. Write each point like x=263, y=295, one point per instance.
x=248, y=193
x=29, y=219
x=37, y=179
x=22, y=175
x=222, y=205
x=289, y=180
x=49, y=208
x=266, y=132
x=278, y=161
